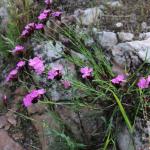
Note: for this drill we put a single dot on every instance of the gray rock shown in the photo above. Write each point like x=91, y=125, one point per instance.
x=142, y=48
x=114, y=4
x=125, y=37
x=124, y=140
x=48, y=51
x=144, y=36
x=119, y=25
x=3, y=16
x=124, y=55
x=131, y=53
x=145, y=27
x=3, y=12
x=88, y=16
x=106, y=39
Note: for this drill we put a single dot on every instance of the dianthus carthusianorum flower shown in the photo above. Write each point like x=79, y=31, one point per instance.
x=39, y=26
x=18, y=49
x=118, y=79
x=144, y=82
x=55, y=72
x=28, y=30
x=57, y=15
x=20, y=64
x=33, y=97
x=37, y=64
x=12, y=75
x=44, y=15
x=86, y=72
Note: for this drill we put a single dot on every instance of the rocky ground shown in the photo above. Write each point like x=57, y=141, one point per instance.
x=122, y=30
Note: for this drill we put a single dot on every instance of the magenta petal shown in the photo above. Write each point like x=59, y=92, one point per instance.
x=142, y=84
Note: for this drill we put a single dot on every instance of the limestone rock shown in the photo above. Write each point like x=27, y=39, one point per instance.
x=3, y=16
x=124, y=55
x=106, y=39
x=119, y=25
x=131, y=53
x=88, y=16
x=124, y=140
x=142, y=48
x=49, y=50
x=125, y=37
x=114, y=4
x=144, y=36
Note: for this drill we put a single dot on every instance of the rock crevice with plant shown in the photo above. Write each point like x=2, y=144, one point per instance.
x=81, y=87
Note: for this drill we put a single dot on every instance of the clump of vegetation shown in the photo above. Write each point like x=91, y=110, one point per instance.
x=120, y=97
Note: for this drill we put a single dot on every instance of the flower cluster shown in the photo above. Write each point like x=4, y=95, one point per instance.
x=33, y=97
x=13, y=74
x=37, y=64
x=30, y=28
x=144, y=82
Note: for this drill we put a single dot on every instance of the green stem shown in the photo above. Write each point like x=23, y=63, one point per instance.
x=123, y=112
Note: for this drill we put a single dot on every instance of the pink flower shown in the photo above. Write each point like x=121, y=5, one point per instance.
x=48, y=2
x=44, y=15
x=37, y=64
x=21, y=64
x=39, y=26
x=86, y=72
x=29, y=28
x=143, y=83
x=18, y=49
x=33, y=97
x=57, y=14
x=55, y=72
x=25, y=33
x=148, y=79
x=12, y=75
x=119, y=79
x=47, y=11
x=66, y=84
